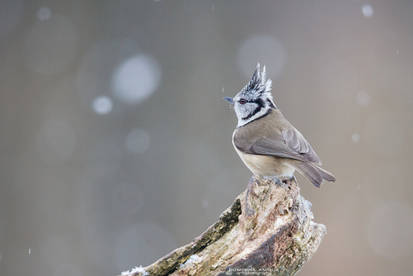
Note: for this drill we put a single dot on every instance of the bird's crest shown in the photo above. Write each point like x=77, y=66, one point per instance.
x=258, y=83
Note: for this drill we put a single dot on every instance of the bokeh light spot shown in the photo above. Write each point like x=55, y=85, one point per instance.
x=102, y=105
x=355, y=137
x=136, y=79
x=367, y=10
x=44, y=13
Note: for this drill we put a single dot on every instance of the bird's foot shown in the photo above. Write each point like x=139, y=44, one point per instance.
x=287, y=179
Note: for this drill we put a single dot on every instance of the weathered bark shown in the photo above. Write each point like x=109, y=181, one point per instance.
x=268, y=230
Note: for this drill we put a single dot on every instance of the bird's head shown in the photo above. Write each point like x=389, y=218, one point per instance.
x=255, y=99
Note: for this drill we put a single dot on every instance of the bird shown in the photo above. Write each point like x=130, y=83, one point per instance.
x=267, y=143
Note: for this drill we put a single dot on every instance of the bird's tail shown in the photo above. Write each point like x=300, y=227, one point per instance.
x=314, y=173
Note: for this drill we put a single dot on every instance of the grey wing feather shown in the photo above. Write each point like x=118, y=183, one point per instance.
x=292, y=144
x=265, y=146
x=297, y=143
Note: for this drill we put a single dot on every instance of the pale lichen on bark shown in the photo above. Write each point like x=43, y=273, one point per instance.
x=268, y=230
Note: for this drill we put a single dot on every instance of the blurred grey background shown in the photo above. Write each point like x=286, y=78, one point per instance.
x=116, y=143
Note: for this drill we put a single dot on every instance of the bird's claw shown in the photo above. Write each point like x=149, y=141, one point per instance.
x=289, y=179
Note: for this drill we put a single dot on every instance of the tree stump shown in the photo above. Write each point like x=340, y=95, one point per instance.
x=268, y=230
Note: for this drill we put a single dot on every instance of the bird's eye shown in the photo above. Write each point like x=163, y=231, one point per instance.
x=242, y=101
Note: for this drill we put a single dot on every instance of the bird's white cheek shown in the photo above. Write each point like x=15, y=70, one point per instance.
x=237, y=110
x=242, y=109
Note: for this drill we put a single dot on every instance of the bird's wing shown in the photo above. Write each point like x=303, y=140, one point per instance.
x=298, y=144
x=287, y=143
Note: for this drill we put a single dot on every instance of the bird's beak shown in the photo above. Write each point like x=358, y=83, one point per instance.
x=229, y=99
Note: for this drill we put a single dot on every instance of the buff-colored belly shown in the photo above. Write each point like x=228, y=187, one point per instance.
x=262, y=165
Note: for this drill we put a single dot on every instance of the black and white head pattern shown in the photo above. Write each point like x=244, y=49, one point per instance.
x=255, y=99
